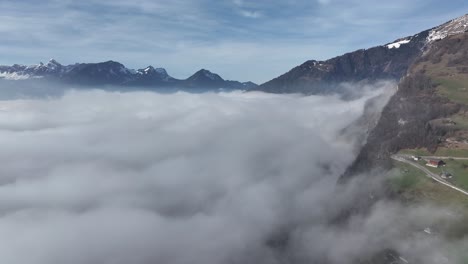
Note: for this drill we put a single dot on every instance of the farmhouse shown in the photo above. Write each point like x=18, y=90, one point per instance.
x=435, y=163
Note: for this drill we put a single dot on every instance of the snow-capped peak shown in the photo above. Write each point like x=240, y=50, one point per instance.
x=453, y=27
x=53, y=61
x=53, y=64
x=154, y=73
x=151, y=70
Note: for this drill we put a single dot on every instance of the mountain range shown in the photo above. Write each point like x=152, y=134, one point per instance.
x=390, y=61
x=116, y=74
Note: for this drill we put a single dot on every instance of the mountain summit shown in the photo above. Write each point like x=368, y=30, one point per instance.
x=205, y=78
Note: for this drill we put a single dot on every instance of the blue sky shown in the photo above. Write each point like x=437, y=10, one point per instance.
x=238, y=39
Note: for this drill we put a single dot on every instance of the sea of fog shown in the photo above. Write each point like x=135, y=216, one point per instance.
x=140, y=177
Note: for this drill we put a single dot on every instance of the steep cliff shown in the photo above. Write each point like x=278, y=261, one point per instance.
x=433, y=91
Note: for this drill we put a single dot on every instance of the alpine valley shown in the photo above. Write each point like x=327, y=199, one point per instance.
x=414, y=149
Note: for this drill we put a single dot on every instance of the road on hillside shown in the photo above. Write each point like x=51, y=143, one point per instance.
x=407, y=159
x=443, y=157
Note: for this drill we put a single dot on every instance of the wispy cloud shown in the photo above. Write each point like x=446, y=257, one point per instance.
x=245, y=11
x=251, y=14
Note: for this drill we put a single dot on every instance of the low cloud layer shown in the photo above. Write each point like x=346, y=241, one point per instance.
x=107, y=177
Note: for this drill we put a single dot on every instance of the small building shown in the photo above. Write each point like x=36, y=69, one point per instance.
x=446, y=175
x=435, y=163
x=416, y=158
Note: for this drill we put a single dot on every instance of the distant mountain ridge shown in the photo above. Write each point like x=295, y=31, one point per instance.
x=115, y=73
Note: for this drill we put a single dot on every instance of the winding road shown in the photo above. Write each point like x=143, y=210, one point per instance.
x=407, y=159
x=441, y=157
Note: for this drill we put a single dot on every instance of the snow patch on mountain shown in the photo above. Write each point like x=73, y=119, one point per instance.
x=53, y=64
x=15, y=76
x=453, y=27
x=397, y=44
x=150, y=70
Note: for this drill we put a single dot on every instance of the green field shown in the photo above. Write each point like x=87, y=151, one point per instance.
x=455, y=88
x=459, y=170
x=461, y=121
x=413, y=185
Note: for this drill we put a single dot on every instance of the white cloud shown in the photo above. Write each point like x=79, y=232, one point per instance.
x=251, y=14
x=103, y=177
x=242, y=8
x=139, y=176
